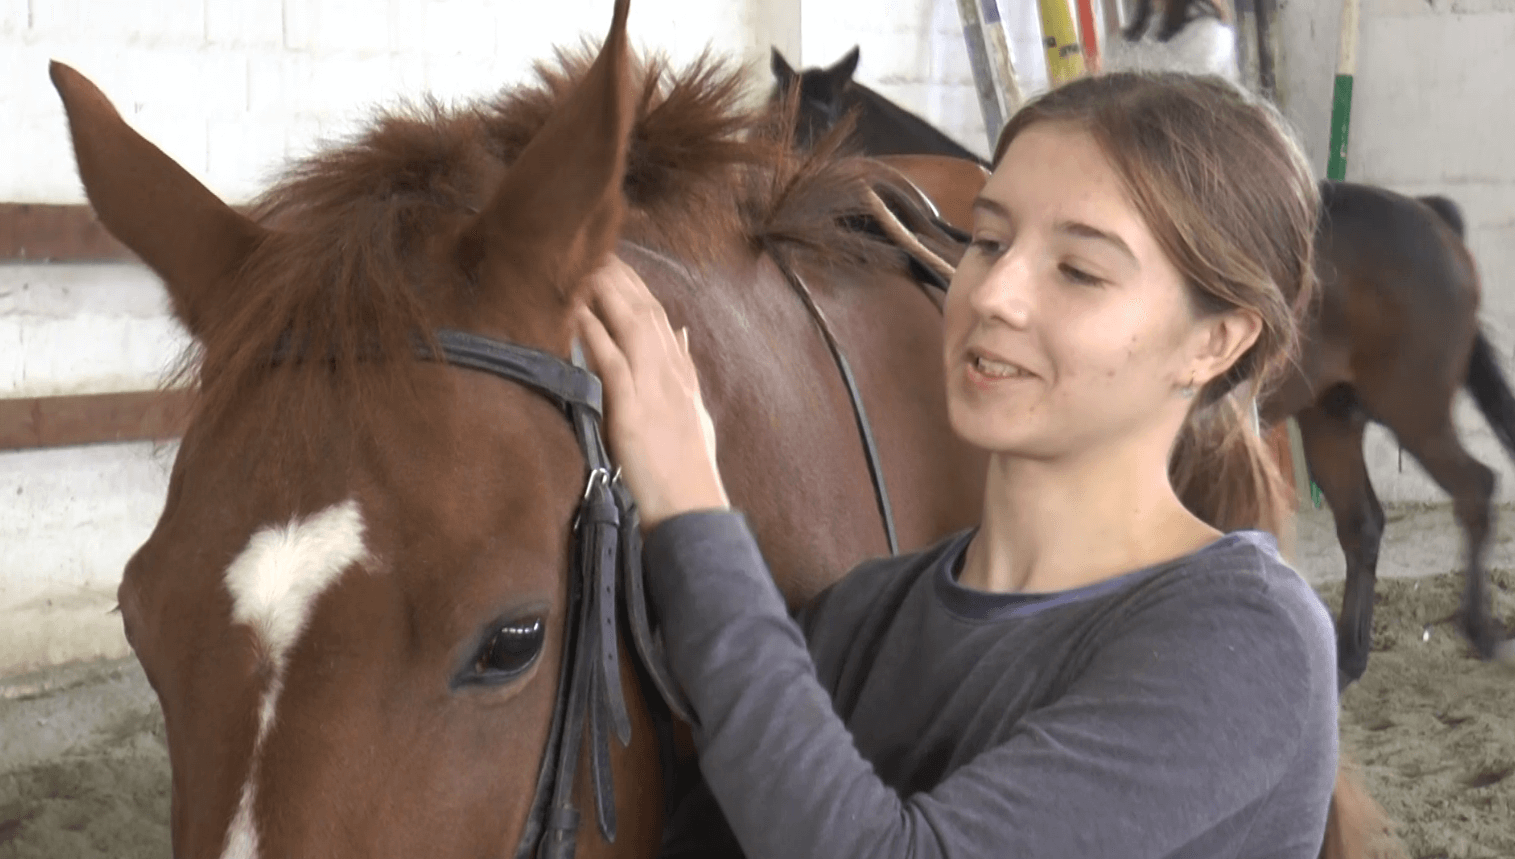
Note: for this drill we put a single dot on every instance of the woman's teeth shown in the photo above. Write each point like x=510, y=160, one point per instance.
x=996, y=369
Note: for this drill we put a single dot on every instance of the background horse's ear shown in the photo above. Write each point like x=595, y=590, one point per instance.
x=840, y=72
x=782, y=71
x=151, y=204
x=558, y=210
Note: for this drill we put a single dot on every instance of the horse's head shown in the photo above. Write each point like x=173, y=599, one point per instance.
x=823, y=93
x=351, y=607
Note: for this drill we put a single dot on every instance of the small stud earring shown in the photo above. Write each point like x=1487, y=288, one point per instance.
x=1187, y=391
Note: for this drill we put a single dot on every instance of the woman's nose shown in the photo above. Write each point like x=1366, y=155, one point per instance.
x=1007, y=293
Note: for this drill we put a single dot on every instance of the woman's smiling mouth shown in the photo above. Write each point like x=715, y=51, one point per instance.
x=988, y=369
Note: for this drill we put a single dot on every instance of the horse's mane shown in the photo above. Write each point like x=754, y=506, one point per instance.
x=700, y=165
x=347, y=275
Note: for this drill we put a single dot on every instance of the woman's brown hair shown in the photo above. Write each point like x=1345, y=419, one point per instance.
x=1230, y=199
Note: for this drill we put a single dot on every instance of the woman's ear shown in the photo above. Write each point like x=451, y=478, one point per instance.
x=1221, y=340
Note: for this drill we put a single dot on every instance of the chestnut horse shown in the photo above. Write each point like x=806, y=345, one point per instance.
x=352, y=606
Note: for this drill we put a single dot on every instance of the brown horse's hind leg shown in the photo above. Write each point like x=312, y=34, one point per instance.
x=1471, y=485
x=1332, y=434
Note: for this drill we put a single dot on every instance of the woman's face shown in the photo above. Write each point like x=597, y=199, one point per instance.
x=1067, y=328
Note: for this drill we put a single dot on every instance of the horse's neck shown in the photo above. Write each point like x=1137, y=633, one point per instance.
x=789, y=445
x=888, y=129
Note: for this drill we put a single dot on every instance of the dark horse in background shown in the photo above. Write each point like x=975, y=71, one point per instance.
x=883, y=127
x=1395, y=336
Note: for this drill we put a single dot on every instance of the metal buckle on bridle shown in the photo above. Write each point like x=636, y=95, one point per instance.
x=598, y=474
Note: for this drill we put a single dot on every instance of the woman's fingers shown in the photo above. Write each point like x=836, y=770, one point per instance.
x=605, y=356
x=632, y=315
x=621, y=296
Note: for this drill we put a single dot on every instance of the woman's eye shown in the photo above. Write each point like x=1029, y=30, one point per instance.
x=508, y=651
x=1079, y=276
x=986, y=245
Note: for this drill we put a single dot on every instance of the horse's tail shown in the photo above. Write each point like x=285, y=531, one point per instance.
x=1356, y=827
x=1447, y=210
x=1486, y=382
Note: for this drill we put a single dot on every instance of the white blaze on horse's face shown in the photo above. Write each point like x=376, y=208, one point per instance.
x=274, y=583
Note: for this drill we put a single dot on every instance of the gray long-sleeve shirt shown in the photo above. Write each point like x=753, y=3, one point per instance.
x=1184, y=710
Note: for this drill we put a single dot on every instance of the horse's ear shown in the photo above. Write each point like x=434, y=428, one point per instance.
x=840, y=72
x=557, y=212
x=151, y=204
x=782, y=71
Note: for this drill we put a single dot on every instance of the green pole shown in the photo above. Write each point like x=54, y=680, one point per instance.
x=1341, y=98
x=1341, y=117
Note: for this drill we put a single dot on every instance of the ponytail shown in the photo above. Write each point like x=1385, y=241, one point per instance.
x=1225, y=474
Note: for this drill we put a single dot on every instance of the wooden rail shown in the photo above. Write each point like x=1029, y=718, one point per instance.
x=71, y=233
x=38, y=422
x=35, y=232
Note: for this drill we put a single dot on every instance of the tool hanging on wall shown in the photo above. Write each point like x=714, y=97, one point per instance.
x=1089, y=35
x=999, y=92
x=1065, y=57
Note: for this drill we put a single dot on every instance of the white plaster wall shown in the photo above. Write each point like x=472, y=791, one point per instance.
x=84, y=329
x=70, y=517
x=232, y=87
x=69, y=520
x=1433, y=113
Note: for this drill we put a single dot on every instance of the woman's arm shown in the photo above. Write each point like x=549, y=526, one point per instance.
x=1162, y=743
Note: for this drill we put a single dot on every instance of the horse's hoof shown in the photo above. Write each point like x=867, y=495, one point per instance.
x=1343, y=680
x=1346, y=675
x=1488, y=639
x=1351, y=663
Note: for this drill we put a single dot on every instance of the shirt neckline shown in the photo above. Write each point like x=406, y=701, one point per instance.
x=973, y=604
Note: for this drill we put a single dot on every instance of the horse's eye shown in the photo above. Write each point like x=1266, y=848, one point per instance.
x=508, y=651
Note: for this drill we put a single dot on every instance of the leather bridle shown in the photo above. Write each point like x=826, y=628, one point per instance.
x=607, y=555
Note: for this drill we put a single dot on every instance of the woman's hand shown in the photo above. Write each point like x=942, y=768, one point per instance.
x=656, y=423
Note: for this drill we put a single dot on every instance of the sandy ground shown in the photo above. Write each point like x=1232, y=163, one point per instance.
x=83, y=766
x=84, y=772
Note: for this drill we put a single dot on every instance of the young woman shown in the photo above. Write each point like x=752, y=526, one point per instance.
x=1094, y=671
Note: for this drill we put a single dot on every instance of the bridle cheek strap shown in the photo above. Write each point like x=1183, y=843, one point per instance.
x=590, y=704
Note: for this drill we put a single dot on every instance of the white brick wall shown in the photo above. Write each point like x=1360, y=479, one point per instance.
x=69, y=520
x=230, y=88
x=83, y=329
